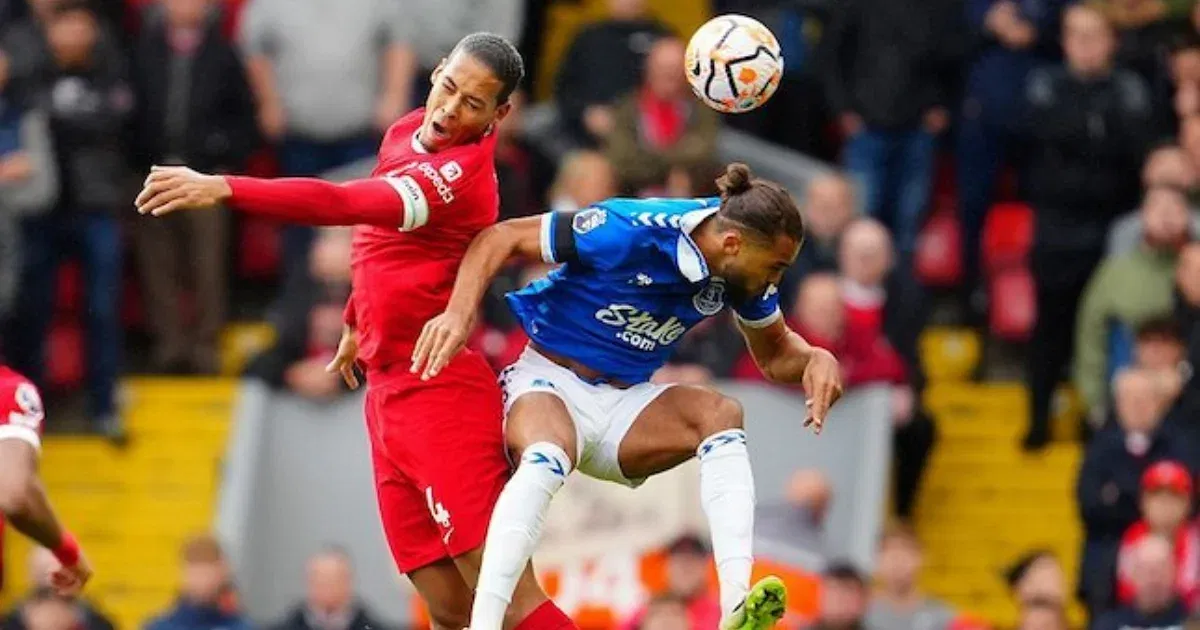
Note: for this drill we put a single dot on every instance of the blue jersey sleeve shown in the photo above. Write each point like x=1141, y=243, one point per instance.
x=593, y=237
x=760, y=311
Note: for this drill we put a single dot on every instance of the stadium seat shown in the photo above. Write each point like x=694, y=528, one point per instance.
x=64, y=355
x=939, y=252
x=69, y=296
x=1012, y=304
x=1007, y=236
x=949, y=354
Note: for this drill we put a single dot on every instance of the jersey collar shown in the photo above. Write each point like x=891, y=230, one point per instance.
x=687, y=254
x=416, y=143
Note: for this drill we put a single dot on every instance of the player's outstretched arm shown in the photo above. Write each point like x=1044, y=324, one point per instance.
x=308, y=201
x=444, y=335
x=785, y=357
x=24, y=503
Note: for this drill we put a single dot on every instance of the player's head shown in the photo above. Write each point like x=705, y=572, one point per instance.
x=759, y=228
x=471, y=90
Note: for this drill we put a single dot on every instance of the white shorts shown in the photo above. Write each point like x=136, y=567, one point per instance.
x=602, y=414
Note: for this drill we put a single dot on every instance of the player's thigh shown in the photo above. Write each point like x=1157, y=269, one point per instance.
x=540, y=417
x=669, y=430
x=447, y=595
x=526, y=598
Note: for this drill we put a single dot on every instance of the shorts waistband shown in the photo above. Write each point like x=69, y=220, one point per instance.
x=583, y=372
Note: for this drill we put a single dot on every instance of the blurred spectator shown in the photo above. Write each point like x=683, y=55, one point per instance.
x=660, y=132
x=203, y=589
x=312, y=327
x=28, y=182
x=1042, y=616
x=47, y=611
x=688, y=568
x=792, y=531
x=1159, y=350
x=524, y=171
x=26, y=46
x=1127, y=291
x=604, y=62
x=196, y=109
x=1189, y=137
x=891, y=72
x=1144, y=27
x=1166, y=167
x=439, y=24
x=41, y=564
x=1110, y=478
x=1087, y=123
x=844, y=596
x=89, y=103
x=666, y=612
x=1166, y=511
x=330, y=603
x=1038, y=578
x=1010, y=38
x=1181, y=99
x=829, y=207
x=584, y=178
x=898, y=603
x=1187, y=313
x=1155, y=604
x=322, y=116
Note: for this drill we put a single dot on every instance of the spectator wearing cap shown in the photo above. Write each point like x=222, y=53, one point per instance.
x=205, y=587
x=1127, y=291
x=1110, y=478
x=898, y=603
x=1166, y=510
x=688, y=569
x=1156, y=604
x=330, y=602
x=844, y=596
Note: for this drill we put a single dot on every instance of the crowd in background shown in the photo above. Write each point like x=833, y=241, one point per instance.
x=1077, y=122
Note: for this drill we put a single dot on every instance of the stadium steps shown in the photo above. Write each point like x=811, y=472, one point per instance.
x=132, y=508
x=985, y=502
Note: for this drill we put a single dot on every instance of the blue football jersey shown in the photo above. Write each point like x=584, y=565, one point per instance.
x=631, y=284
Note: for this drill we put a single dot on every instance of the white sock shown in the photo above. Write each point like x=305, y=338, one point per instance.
x=514, y=530
x=727, y=494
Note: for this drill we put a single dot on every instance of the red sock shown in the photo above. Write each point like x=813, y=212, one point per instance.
x=547, y=617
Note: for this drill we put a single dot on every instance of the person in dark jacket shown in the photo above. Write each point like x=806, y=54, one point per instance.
x=204, y=602
x=1088, y=125
x=1186, y=413
x=329, y=603
x=604, y=62
x=195, y=108
x=88, y=100
x=1156, y=605
x=890, y=75
x=41, y=565
x=1008, y=39
x=1110, y=479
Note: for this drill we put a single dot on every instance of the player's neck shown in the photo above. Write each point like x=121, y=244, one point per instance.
x=708, y=240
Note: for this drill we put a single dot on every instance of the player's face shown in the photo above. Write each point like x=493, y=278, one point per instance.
x=462, y=105
x=751, y=267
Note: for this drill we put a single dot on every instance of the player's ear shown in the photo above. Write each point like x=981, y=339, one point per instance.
x=731, y=243
x=502, y=111
x=433, y=76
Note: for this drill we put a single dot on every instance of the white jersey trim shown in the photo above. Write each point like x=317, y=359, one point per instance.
x=416, y=206
x=775, y=316
x=546, y=237
x=25, y=434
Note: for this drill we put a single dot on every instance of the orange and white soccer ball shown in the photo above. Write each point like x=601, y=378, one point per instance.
x=733, y=63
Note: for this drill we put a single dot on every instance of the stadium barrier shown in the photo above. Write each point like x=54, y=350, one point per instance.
x=298, y=476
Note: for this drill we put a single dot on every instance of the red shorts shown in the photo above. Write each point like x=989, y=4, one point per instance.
x=438, y=452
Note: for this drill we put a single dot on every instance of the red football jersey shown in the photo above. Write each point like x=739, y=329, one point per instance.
x=21, y=411
x=403, y=277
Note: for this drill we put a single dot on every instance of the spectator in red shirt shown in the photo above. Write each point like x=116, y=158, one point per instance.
x=688, y=562
x=1166, y=506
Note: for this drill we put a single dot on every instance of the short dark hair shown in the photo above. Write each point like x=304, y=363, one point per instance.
x=758, y=206
x=1159, y=328
x=202, y=549
x=499, y=55
x=66, y=7
x=1019, y=569
x=901, y=532
x=844, y=571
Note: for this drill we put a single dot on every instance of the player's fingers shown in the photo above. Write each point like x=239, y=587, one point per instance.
x=171, y=206
x=440, y=338
x=149, y=190
x=419, y=350
x=450, y=347
x=349, y=376
x=161, y=195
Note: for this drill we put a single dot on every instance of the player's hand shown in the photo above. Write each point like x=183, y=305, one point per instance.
x=441, y=339
x=69, y=581
x=822, y=385
x=347, y=354
x=171, y=188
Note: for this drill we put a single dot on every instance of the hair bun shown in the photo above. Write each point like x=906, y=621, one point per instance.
x=736, y=179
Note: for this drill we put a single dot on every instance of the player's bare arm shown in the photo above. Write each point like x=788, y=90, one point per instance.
x=309, y=201
x=443, y=336
x=784, y=356
x=24, y=503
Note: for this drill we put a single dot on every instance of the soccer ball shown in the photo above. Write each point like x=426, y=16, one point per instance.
x=733, y=63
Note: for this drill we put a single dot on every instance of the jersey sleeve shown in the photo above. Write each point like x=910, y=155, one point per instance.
x=761, y=311
x=428, y=187
x=23, y=414
x=593, y=237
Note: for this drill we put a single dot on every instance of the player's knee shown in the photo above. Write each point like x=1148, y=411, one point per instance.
x=726, y=414
x=451, y=614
